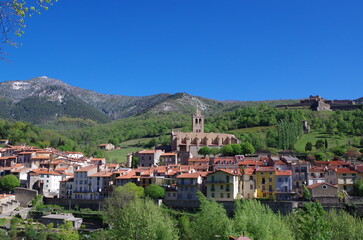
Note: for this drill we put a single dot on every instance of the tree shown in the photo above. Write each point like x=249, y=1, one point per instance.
x=67, y=232
x=214, y=151
x=257, y=221
x=12, y=17
x=227, y=150
x=204, y=151
x=310, y=223
x=308, y=146
x=154, y=191
x=343, y=225
x=358, y=187
x=247, y=148
x=9, y=182
x=319, y=144
x=141, y=219
x=211, y=222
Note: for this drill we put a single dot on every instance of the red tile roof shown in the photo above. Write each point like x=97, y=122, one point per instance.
x=345, y=170
x=284, y=173
x=189, y=175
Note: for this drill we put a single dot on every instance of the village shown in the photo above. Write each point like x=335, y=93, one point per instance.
x=70, y=179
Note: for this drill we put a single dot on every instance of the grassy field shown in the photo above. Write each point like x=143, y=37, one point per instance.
x=333, y=140
x=119, y=155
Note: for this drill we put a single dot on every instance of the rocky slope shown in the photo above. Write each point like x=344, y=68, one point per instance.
x=43, y=99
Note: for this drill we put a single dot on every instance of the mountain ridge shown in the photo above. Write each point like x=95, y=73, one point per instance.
x=38, y=96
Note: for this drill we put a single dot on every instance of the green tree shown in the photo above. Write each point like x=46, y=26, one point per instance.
x=66, y=232
x=247, y=148
x=154, y=191
x=358, y=187
x=211, y=222
x=9, y=182
x=319, y=144
x=343, y=225
x=306, y=193
x=227, y=150
x=12, y=17
x=204, y=151
x=308, y=147
x=257, y=221
x=214, y=151
x=320, y=156
x=310, y=223
x=141, y=219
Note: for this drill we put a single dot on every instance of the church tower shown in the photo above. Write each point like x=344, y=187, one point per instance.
x=198, y=122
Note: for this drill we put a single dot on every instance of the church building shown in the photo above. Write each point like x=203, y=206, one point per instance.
x=187, y=144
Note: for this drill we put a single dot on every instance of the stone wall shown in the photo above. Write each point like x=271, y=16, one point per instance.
x=24, y=195
x=95, y=204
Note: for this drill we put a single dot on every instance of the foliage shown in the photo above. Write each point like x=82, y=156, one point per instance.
x=288, y=133
x=319, y=156
x=247, y=148
x=154, y=191
x=319, y=144
x=343, y=225
x=9, y=182
x=358, y=187
x=141, y=219
x=13, y=13
x=214, y=151
x=204, y=151
x=257, y=221
x=306, y=193
x=311, y=223
x=308, y=147
x=211, y=221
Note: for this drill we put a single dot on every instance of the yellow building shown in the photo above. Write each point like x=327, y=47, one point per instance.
x=265, y=182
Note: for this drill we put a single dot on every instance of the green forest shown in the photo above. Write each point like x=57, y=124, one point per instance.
x=264, y=127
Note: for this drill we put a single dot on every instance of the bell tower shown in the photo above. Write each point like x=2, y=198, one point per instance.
x=198, y=122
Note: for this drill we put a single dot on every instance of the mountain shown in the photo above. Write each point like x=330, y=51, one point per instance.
x=43, y=99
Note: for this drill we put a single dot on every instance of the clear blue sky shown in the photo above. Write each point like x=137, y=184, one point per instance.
x=225, y=50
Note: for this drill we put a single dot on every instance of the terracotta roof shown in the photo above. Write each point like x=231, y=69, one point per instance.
x=250, y=162
x=189, y=175
x=284, y=173
x=168, y=154
x=319, y=184
x=102, y=174
x=345, y=170
x=3, y=195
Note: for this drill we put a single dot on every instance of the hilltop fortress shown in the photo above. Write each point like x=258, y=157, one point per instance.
x=317, y=103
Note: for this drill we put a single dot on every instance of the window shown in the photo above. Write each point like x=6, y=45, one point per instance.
x=228, y=195
x=212, y=188
x=227, y=188
x=279, y=180
x=251, y=187
x=47, y=176
x=222, y=195
x=263, y=181
x=270, y=188
x=212, y=195
x=261, y=173
x=212, y=178
x=227, y=179
x=221, y=186
x=264, y=195
x=270, y=179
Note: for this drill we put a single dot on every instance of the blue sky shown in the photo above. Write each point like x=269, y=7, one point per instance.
x=225, y=50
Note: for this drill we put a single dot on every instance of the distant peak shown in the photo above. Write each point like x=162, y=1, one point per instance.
x=43, y=77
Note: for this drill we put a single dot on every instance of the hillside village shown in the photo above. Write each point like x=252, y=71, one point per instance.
x=62, y=176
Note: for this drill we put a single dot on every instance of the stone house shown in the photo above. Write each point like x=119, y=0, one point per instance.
x=107, y=146
x=320, y=190
x=149, y=158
